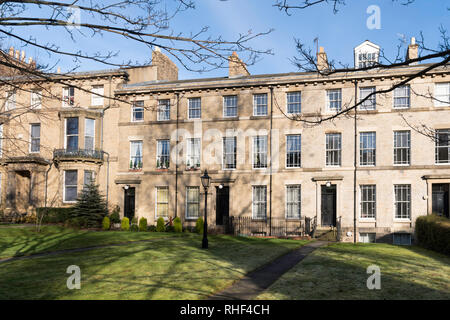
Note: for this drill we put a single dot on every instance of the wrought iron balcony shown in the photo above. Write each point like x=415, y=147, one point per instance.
x=81, y=154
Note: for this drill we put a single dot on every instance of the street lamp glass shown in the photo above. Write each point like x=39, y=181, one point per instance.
x=205, y=179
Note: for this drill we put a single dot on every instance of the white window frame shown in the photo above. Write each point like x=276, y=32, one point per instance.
x=160, y=155
x=363, y=202
x=163, y=109
x=92, y=173
x=72, y=185
x=256, y=152
x=442, y=99
x=337, y=99
x=339, y=151
x=436, y=147
x=259, y=202
x=396, y=95
x=370, y=103
x=226, y=107
x=98, y=92
x=36, y=99
x=195, y=105
x=408, y=202
x=298, y=202
x=371, y=150
x=367, y=235
x=299, y=102
x=402, y=148
x=133, y=156
x=66, y=135
x=157, y=202
x=299, y=151
x=138, y=106
x=224, y=154
x=190, y=144
x=260, y=101
x=66, y=97
x=187, y=216
x=86, y=135
x=33, y=138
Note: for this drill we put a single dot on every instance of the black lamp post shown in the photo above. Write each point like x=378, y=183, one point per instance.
x=206, y=180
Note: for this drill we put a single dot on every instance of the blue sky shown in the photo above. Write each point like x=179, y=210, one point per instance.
x=338, y=33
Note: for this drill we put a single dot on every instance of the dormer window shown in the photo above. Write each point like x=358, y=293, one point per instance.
x=366, y=54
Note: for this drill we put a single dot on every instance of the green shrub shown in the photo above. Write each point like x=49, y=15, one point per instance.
x=76, y=223
x=134, y=220
x=53, y=215
x=106, y=224
x=433, y=232
x=170, y=229
x=125, y=224
x=177, y=225
x=115, y=215
x=134, y=228
x=142, y=224
x=199, y=226
x=151, y=228
x=160, y=225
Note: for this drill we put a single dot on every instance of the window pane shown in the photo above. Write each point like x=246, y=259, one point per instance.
x=294, y=102
x=230, y=106
x=402, y=201
x=370, y=103
x=401, y=97
x=229, y=152
x=293, y=151
x=163, y=154
x=164, y=109
x=260, y=152
x=293, y=202
x=260, y=104
x=334, y=100
x=367, y=148
x=368, y=201
x=333, y=149
x=195, y=108
x=259, y=202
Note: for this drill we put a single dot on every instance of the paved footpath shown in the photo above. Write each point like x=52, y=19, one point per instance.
x=257, y=281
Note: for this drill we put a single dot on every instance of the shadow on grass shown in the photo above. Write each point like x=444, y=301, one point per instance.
x=172, y=268
x=339, y=271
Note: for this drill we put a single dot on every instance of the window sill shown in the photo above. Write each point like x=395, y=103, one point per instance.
x=192, y=169
x=402, y=220
x=367, y=220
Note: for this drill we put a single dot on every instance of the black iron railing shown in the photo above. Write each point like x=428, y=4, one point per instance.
x=78, y=153
x=278, y=227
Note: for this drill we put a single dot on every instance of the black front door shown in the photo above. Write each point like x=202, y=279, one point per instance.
x=440, y=200
x=129, y=203
x=328, y=212
x=222, y=205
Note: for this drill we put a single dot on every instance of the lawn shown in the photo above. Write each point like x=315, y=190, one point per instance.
x=338, y=271
x=19, y=240
x=174, y=267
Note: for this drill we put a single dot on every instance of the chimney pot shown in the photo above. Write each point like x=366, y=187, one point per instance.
x=17, y=54
x=11, y=51
x=22, y=58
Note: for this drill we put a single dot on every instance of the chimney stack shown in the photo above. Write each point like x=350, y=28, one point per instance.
x=22, y=57
x=236, y=67
x=413, y=51
x=11, y=51
x=322, y=61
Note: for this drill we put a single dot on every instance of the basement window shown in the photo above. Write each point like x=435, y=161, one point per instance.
x=403, y=239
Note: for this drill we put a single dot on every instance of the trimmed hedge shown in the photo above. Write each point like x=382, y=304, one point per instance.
x=54, y=215
x=125, y=224
x=142, y=224
x=177, y=227
x=106, y=224
x=433, y=232
x=160, y=227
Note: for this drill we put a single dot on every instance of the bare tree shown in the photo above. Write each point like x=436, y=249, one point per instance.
x=307, y=61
